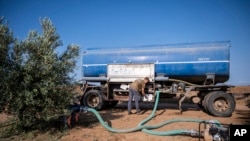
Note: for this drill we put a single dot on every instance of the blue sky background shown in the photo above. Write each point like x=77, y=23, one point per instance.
x=118, y=23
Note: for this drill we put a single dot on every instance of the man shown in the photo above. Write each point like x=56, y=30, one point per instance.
x=134, y=91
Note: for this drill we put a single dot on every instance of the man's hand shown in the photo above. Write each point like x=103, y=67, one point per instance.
x=142, y=91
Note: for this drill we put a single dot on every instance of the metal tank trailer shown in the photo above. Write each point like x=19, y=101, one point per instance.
x=193, y=71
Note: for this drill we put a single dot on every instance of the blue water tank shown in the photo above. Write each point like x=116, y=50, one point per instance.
x=190, y=62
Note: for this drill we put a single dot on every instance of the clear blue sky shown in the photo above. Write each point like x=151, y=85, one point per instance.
x=111, y=23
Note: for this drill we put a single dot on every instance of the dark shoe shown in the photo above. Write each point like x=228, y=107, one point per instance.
x=129, y=113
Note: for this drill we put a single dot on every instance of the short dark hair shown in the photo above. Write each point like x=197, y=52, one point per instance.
x=146, y=78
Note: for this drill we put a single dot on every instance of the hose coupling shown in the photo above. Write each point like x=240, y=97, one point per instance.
x=194, y=133
x=83, y=109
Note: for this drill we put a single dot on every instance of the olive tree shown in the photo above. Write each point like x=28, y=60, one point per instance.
x=40, y=79
x=6, y=41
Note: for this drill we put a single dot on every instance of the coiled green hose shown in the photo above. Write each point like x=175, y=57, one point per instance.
x=146, y=128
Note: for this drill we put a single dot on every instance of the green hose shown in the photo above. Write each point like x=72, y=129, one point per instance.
x=166, y=133
x=140, y=125
x=112, y=129
x=146, y=128
x=171, y=121
x=153, y=112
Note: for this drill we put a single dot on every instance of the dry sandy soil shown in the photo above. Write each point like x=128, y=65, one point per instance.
x=89, y=128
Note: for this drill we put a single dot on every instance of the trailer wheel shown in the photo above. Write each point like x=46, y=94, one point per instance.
x=205, y=100
x=93, y=99
x=219, y=103
x=204, y=103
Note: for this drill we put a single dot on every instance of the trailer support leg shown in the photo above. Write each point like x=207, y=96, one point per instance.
x=183, y=98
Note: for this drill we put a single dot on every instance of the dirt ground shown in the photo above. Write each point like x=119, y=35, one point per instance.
x=89, y=128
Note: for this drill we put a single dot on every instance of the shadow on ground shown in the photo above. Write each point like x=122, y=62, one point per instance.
x=89, y=120
x=244, y=116
x=173, y=104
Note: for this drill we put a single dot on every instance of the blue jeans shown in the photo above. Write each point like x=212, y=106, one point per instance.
x=136, y=95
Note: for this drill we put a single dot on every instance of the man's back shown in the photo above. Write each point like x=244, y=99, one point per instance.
x=138, y=84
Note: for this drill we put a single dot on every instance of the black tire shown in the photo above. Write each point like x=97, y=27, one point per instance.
x=93, y=99
x=204, y=102
x=219, y=104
